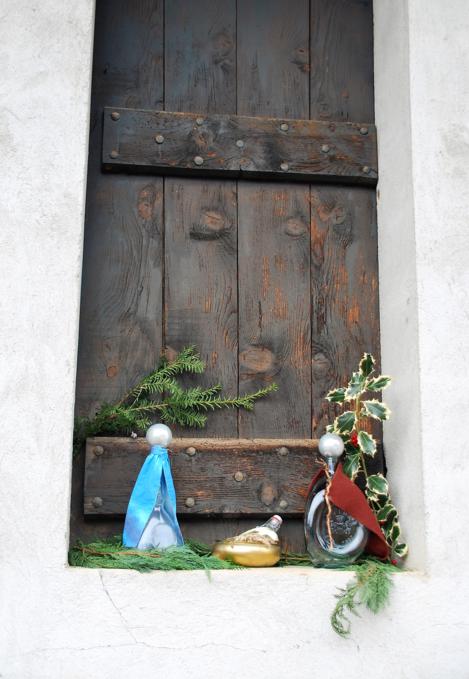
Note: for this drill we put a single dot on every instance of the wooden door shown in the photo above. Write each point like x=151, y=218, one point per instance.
x=271, y=274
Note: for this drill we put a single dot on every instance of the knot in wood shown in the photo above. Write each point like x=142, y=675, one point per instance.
x=268, y=494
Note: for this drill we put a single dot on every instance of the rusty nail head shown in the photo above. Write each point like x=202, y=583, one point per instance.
x=115, y=115
x=159, y=139
x=283, y=504
x=190, y=502
x=325, y=148
x=191, y=451
x=199, y=121
x=240, y=143
x=239, y=476
x=114, y=154
x=283, y=451
x=198, y=160
x=363, y=130
x=284, y=167
x=284, y=127
x=97, y=502
x=366, y=169
x=98, y=450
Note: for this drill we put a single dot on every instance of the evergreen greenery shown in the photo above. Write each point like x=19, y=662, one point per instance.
x=371, y=588
x=160, y=396
x=360, y=444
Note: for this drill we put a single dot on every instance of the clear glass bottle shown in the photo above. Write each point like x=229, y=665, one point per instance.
x=333, y=537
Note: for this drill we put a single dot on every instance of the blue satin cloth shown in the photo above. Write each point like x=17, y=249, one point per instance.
x=154, y=479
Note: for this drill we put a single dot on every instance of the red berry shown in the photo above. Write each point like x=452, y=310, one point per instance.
x=394, y=562
x=354, y=439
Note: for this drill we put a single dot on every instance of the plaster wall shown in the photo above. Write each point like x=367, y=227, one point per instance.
x=63, y=623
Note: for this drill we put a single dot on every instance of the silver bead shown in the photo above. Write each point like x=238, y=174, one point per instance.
x=331, y=445
x=159, y=435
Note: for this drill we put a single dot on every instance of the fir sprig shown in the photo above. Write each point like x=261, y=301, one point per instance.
x=160, y=396
x=370, y=588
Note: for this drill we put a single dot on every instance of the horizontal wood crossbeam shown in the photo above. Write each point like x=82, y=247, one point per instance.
x=229, y=477
x=239, y=146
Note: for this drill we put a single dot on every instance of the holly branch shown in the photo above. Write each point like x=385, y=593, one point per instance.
x=360, y=444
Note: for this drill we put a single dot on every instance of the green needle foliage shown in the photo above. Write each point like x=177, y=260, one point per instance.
x=160, y=396
x=370, y=588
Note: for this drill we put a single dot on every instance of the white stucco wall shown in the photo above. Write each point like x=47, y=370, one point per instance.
x=63, y=623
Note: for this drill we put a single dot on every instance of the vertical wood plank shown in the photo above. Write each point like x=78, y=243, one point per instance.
x=200, y=215
x=344, y=265
x=342, y=60
x=273, y=226
x=274, y=307
x=121, y=304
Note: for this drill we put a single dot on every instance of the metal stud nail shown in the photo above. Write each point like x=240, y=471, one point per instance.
x=284, y=166
x=98, y=450
x=284, y=127
x=283, y=451
x=363, y=130
x=97, y=502
x=240, y=143
x=366, y=169
x=159, y=139
x=199, y=121
x=115, y=115
x=191, y=451
x=114, y=154
x=239, y=476
x=283, y=504
x=198, y=160
x=325, y=148
x=190, y=502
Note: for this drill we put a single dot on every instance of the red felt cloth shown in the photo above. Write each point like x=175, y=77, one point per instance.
x=345, y=495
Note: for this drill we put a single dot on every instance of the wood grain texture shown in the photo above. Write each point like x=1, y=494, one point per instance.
x=344, y=293
x=200, y=56
x=274, y=307
x=342, y=60
x=120, y=323
x=239, y=146
x=224, y=476
x=201, y=284
x=273, y=58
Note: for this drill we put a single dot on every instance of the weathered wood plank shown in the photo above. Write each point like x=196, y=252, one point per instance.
x=201, y=284
x=121, y=302
x=239, y=146
x=200, y=216
x=224, y=477
x=274, y=307
x=342, y=60
x=344, y=293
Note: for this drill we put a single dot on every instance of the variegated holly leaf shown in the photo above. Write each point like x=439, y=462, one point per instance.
x=345, y=422
x=377, y=484
x=378, y=383
x=376, y=409
x=395, y=532
x=367, y=443
x=356, y=386
x=387, y=513
x=351, y=465
x=336, y=395
x=366, y=365
x=401, y=550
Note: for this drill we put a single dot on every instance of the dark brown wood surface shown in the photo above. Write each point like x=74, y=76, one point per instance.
x=271, y=280
x=239, y=146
